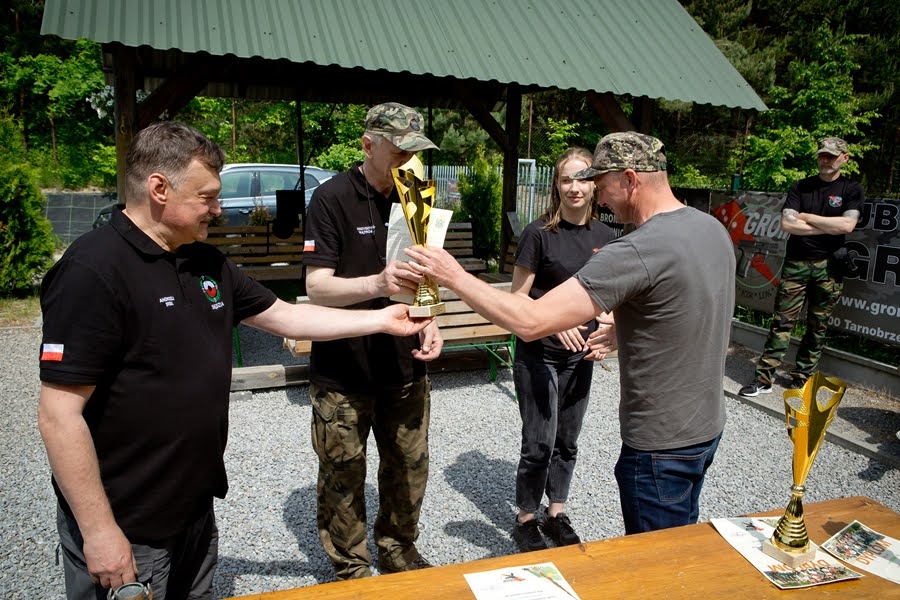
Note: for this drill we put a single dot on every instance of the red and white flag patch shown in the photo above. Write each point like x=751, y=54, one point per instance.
x=309, y=245
x=52, y=352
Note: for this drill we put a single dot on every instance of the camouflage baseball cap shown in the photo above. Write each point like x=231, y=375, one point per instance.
x=400, y=125
x=626, y=150
x=832, y=145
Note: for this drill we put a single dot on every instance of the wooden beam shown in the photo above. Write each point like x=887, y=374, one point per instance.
x=481, y=113
x=279, y=376
x=643, y=114
x=178, y=89
x=268, y=376
x=511, y=158
x=125, y=112
x=608, y=109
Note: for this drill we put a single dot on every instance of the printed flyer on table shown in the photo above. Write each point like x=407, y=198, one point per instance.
x=747, y=534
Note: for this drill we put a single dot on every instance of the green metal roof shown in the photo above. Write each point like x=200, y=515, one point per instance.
x=638, y=47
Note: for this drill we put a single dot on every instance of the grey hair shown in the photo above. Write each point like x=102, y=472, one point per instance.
x=168, y=148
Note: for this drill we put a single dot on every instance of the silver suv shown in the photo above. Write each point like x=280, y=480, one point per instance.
x=246, y=185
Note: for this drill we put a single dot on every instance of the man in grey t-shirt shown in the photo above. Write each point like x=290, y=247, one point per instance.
x=670, y=286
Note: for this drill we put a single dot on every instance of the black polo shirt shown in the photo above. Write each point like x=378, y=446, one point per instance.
x=152, y=330
x=554, y=257
x=826, y=199
x=346, y=230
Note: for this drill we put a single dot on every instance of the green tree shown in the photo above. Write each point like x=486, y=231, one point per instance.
x=560, y=136
x=819, y=101
x=460, y=136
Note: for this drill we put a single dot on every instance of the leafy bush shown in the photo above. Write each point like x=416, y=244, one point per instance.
x=481, y=200
x=26, y=237
x=104, y=161
x=260, y=214
x=688, y=176
x=340, y=157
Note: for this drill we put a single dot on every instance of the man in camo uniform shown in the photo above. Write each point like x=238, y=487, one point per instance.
x=818, y=213
x=372, y=383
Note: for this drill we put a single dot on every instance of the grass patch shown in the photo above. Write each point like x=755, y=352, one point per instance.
x=837, y=339
x=18, y=312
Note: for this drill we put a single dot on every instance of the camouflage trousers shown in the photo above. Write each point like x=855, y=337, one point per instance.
x=812, y=283
x=340, y=428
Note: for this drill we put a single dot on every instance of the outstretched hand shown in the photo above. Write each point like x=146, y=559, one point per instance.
x=602, y=341
x=436, y=263
x=572, y=339
x=398, y=322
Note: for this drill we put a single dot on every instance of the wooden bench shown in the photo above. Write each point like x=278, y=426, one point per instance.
x=259, y=253
x=458, y=243
x=461, y=328
x=509, y=257
x=506, y=269
x=266, y=257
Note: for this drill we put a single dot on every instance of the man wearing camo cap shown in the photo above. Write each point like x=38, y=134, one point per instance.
x=818, y=212
x=670, y=286
x=373, y=383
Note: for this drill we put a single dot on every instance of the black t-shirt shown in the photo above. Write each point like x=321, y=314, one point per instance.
x=554, y=257
x=152, y=330
x=346, y=230
x=823, y=198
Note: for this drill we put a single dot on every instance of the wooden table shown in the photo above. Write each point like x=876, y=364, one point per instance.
x=683, y=562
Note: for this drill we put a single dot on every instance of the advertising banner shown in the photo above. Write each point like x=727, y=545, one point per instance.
x=870, y=304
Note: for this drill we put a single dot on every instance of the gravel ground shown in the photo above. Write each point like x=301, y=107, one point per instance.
x=267, y=523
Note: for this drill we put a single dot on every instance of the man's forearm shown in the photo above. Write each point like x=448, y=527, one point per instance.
x=793, y=223
x=830, y=225
x=340, y=291
x=513, y=312
x=73, y=460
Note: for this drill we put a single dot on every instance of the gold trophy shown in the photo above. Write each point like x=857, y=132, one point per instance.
x=806, y=427
x=417, y=200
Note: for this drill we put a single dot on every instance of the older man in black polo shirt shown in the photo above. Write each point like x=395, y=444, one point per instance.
x=375, y=383
x=135, y=371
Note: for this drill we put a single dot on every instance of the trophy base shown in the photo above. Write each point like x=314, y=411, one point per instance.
x=791, y=559
x=429, y=310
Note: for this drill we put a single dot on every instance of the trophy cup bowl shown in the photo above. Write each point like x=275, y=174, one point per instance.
x=806, y=425
x=417, y=199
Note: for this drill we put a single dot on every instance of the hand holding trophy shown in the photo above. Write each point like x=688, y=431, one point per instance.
x=806, y=426
x=417, y=201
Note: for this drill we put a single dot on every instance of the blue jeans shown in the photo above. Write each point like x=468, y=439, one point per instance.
x=661, y=489
x=553, y=390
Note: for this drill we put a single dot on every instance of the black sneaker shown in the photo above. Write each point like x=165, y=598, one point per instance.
x=528, y=536
x=386, y=566
x=797, y=383
x=559, y=529
x=756, y=388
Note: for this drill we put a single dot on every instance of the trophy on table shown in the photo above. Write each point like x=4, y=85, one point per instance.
x=417, y=202
x=806, y=425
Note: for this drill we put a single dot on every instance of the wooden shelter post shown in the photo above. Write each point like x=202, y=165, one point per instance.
x=125, y=113
x=510, y=160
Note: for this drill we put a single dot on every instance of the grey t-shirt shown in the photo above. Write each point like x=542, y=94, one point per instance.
x=670, y=284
